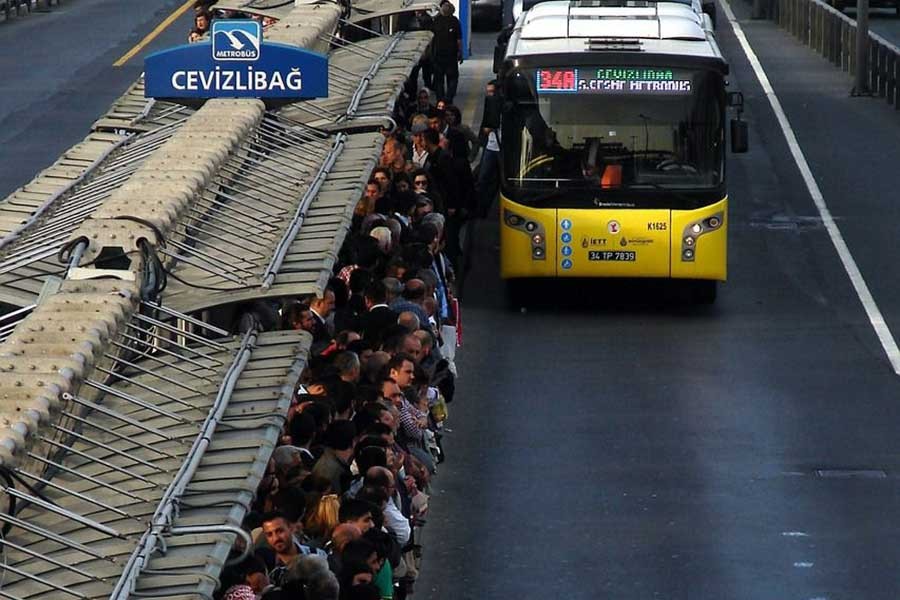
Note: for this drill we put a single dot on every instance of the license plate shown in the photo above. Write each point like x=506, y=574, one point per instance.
x=613, y=255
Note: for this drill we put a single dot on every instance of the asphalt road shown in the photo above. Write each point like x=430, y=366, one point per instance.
x=608, y=441
x=58, y=75
x=611, y=442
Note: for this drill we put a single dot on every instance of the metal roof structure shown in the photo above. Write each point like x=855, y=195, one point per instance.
x=366, y=78
x=366, y=10
x=37, y=220
x=39, y=217
x=277, y=227
x=296, y=186
x=134, y=113
x=392, y=57
x=143, y=430
x=132, y=434
x=277, y=9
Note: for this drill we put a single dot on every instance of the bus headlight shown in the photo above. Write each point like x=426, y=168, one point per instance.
x=512, y=219
x=694, y=231
x=535, y=231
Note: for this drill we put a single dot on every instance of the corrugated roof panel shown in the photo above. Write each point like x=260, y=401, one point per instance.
x=349, y=70
x=197, y=284
x=28, y=251
x=125, y=432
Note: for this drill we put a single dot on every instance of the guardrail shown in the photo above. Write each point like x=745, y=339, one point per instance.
x=832, y=34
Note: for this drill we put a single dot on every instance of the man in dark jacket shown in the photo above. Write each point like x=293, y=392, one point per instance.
x=489, y=169
x=321, y=308
x=446, y=52
x=421, y=21
x=379, y=316
x=439, y=165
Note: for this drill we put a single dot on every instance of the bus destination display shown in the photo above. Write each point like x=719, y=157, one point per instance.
x=613, y=80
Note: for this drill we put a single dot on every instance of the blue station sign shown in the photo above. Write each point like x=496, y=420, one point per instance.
x=236, y=63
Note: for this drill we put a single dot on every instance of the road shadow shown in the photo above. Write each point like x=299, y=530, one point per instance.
x=632, y=296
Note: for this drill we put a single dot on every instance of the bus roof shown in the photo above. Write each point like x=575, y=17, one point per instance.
x=673, y=28
x=523, y=6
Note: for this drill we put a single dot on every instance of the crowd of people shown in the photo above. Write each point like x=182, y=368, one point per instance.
x=339, y=513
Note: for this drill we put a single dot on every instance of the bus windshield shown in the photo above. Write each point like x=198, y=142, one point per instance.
x=612, y=136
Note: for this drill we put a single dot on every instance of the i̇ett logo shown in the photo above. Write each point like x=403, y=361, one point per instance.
x=236, y=39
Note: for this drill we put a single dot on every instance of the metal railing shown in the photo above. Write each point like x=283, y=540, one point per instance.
x=832, y=34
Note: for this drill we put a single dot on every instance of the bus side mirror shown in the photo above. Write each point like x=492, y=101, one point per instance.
x=739, y=132
x=739, y=136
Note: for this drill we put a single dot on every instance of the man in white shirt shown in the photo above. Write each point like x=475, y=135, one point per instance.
x=394, y=521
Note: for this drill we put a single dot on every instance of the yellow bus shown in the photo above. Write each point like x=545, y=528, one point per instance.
x=613, y=144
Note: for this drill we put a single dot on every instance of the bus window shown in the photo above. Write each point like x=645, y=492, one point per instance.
x=566, y=130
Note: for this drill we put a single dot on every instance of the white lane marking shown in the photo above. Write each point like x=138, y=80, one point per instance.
x=794, y=534
x=859, y=284
x=804, y=565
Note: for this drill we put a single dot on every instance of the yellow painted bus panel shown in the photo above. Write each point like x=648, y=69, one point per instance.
x=613, y=242
x=519, y=255
x=709, y=258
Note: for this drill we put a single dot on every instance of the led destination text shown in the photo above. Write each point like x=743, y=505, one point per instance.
x=618, y=85
x=613, y=80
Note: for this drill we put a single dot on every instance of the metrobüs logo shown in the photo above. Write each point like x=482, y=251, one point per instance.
x=236, y=39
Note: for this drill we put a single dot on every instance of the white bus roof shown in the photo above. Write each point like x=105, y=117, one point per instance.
x=577, y=27
x=522, y=6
